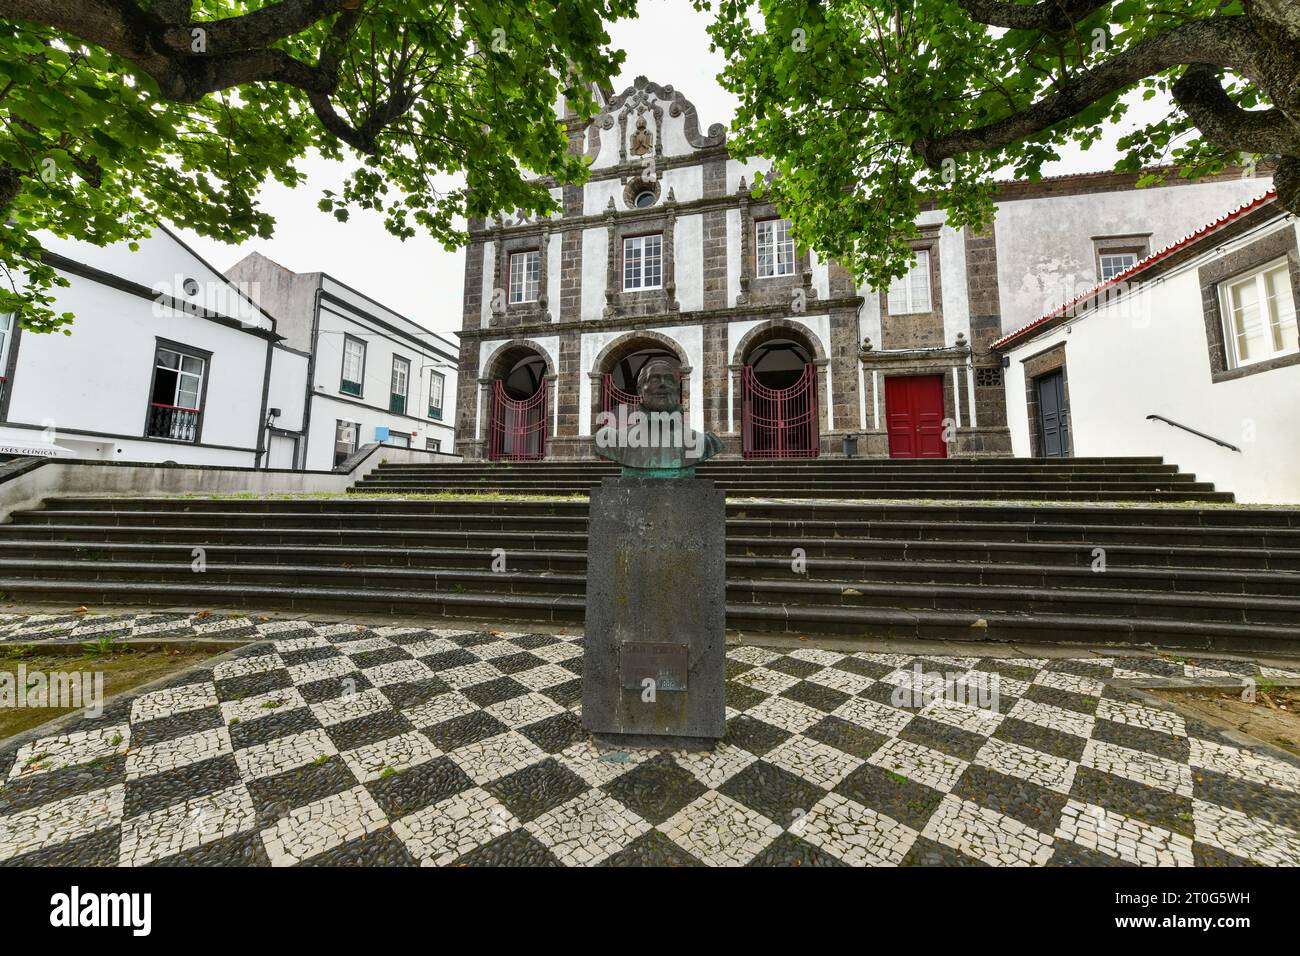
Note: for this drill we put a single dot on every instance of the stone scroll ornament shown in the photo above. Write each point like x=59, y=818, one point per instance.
x=654, y=439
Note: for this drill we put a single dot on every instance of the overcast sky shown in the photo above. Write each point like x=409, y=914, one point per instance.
x=424, y=281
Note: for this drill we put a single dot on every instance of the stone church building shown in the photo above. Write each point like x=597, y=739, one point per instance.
x=665, y=252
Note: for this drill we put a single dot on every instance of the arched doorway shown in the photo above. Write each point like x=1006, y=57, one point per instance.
x=519, y=417
x=779, y=399
x=615, y=369
x=618, y=384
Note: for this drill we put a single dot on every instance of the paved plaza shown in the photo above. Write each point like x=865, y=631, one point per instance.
x=330, y=744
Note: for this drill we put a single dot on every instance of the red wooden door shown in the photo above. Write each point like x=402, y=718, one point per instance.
x=914, y=416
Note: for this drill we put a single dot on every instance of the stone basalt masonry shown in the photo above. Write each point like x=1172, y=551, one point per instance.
x=711, y=308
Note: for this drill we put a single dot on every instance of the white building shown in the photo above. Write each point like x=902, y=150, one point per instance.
x=375, y=375
x=166, y=361
x=1192, y=354
x=170, y=360
x=667, y=252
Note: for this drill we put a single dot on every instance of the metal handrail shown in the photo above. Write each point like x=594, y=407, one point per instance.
x=1170, y=421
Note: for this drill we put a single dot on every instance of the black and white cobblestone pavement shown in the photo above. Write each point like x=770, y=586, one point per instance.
x=349, y=744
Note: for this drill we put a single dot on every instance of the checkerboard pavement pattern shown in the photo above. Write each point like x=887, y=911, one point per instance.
x=342, y=744
x=128, y=625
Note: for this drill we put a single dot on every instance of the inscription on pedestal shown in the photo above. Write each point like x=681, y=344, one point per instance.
x=665, y=664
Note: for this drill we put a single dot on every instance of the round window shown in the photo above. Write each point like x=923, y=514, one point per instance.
x=644, y=199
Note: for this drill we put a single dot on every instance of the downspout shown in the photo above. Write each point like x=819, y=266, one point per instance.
x=311, y=374
x=266, y=398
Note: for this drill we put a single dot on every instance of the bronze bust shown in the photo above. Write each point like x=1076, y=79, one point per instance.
x=654, y=440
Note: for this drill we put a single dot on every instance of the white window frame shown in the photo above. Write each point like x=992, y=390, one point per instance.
x=440, y=380
x=1281, y=330
x=902, y=298
x=403, y=364
x=356, y=437
x=349, y=343
x=1132, y=259
x=525, y=275
x=642, y=255
x=774, y=237
x=182, y=375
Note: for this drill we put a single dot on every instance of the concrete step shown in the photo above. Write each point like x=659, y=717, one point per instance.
x=961, y=491
x=559, y=569
x=925, y=624
x=1098, y=595
x=141, y=524
x=792, y=513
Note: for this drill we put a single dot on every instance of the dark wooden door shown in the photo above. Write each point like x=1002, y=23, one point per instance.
x=1054, y=432
x=914, y=416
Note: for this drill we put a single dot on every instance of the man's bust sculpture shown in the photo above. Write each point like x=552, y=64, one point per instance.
x=654, y=440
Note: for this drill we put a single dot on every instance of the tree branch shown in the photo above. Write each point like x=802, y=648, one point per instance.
x=1282, y=14
x=1286, y=180
x=260, y=28
x=1050, y=16
x=1227, y=42
x=1199, y=93
x=198, y=76
x=172, y=11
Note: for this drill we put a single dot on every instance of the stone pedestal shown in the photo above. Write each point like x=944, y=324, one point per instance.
x=655, y=657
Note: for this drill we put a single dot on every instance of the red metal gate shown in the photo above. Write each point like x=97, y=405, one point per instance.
x=518, y=428
x=611, y=396
x=779, y=422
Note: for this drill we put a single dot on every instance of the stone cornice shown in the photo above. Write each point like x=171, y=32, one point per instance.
x=626, y=324
x=559, y=224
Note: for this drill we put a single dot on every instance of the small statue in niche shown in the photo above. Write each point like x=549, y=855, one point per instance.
x=641, y=143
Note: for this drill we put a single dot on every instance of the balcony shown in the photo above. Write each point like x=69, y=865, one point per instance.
x=173, y=422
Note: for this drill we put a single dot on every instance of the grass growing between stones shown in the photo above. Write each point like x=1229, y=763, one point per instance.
x=747, y=499
x=381, y=496
x=1016, y=503
x=123, y=668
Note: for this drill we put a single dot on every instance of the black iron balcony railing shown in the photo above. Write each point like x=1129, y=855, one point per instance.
x=173, y=422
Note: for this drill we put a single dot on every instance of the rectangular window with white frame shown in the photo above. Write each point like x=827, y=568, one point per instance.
x=525, y=276
x=774, y=248
x=176, y=401
x=437, y=382
x=1116, y=263
x=643, y=262
x=400, y=384
x=433, y=444
x=1259, y=315
x=911, y=293
x=345, y=440
x=353, y=377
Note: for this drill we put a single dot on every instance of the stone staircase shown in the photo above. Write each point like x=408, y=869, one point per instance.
x=951, y=479
x=1188, y=576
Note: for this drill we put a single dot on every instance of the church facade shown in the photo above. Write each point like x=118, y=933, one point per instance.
x=665, y=252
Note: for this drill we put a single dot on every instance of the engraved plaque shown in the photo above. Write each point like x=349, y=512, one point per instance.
x=663, y=663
